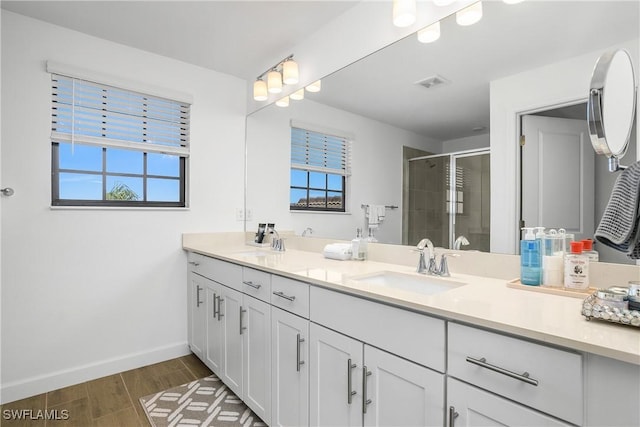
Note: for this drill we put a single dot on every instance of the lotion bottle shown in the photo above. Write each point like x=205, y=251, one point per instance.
x=576, y=269
x=359, y=247
x=530, y=259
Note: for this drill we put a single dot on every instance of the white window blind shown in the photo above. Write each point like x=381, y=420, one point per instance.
x=95, y=114
x=318, y=152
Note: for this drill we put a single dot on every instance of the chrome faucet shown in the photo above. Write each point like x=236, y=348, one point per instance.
x=309, y=230
x=277, y=243
x=460, y=241
x=422, y=264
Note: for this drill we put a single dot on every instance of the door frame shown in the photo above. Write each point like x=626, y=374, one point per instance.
x=518, y=119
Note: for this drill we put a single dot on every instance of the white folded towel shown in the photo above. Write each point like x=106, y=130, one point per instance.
x=340, y=251
x=375, y=215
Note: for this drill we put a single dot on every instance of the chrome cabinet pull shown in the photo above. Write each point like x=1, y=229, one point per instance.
x=298, y=361
x=350, y=393
x=452, y=416
x=194, y=263
x=198, y=289
x=282, y=295
x=242, y=311
x=220, y=300
x=365, y=401
x=524, y=377
x=253, y=285
x=215, y=312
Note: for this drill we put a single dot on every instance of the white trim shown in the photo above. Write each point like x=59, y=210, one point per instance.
x=98, y=77
x=40, y=384
x=119, y=143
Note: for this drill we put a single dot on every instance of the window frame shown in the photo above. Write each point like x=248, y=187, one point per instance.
x=179, y=148
x=344, y=173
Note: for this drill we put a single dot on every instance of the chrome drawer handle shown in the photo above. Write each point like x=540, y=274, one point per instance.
x=220, y=300
x=198, y=302
x=350, y=393
x=452, y=416
x=242, y=328
x=253, y=285
x=194, y=263
x=524, y=377
x=215, y=312
x=298, y=361
x=282, y=295
x=365, y=400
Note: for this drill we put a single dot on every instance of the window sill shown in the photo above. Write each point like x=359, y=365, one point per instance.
x=319, y=212
x=117, y=208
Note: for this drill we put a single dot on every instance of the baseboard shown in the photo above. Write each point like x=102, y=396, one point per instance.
x=41, y=384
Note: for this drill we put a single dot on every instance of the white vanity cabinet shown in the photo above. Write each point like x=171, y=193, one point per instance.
x=289, y=369
x=543, y=378
x=196, y=306
x=354, y=383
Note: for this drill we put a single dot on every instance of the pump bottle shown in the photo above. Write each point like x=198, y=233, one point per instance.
x=530, y=259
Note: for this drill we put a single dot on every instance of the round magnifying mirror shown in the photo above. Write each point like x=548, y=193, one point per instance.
x=612, y=103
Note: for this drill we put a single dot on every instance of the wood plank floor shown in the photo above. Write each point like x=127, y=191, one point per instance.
x=106, y=402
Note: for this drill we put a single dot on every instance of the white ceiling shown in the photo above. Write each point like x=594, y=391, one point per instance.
x=241, y=38
x=244, y=38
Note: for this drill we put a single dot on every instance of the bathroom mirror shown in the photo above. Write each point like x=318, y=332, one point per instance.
x=612, y=104
x=392, y=119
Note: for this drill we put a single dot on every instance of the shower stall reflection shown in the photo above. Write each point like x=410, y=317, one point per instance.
x=442, y=205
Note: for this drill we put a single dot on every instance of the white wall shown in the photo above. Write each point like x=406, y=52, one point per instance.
x=87, y=293
x=473, y=142
x=552, y=85
x=376, y=170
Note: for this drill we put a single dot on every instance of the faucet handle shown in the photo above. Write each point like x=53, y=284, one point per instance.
x=422, y=265
x=444, y=265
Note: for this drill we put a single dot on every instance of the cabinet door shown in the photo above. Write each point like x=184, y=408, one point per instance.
x=214, y=342
x=471, y=406
x=400, y=393
x=257, y=356
x=335, y=370
x=196, y=312
x=289, y=369
x=230, y=304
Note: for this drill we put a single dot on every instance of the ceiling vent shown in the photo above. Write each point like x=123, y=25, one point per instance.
x=433, y=81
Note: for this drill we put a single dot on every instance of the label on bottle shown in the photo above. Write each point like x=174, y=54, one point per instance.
x=576, y=272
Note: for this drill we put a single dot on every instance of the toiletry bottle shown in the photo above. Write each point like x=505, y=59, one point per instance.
x=588, y=250
x=530, y=270
x=576, y=269
x=359, y=247
x=364, y=249
x=553, y=259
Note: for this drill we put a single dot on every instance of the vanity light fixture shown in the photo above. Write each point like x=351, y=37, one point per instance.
x=429, y=34
x=283, y=102
x=274, y=81
x=284, y=72
x=443, y=2
x=260, y=90
x=404, y=12
x=512, y=1
x=297, y=95
x=469, y=15
x=314, y=87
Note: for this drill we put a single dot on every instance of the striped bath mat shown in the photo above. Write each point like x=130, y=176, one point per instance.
x=204, y=402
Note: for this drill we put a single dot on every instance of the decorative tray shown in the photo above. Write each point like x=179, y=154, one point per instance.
x=592, y=309
x=554, y=290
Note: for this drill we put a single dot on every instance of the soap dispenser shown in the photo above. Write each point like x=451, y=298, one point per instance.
x=530, y=268
x=359, y=247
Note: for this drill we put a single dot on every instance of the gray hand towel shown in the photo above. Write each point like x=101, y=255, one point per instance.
x=618, y=227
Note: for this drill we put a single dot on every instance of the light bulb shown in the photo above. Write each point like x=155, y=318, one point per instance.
x=469, y=15
x=314, y=87
x=404, y=12
x=430, y=33
x=290, y=72
x=274, y=81
x=260, y=90
x=297, y=95
x=283, y=102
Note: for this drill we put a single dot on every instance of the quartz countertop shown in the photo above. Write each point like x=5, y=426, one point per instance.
x=483, y=301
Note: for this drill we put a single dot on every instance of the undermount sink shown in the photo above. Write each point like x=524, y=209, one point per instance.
x=425, y=285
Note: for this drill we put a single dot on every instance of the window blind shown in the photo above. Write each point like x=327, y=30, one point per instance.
x=314, y=151
x=95, y=114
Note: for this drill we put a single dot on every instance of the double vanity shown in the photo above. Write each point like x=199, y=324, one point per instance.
x=305, y=340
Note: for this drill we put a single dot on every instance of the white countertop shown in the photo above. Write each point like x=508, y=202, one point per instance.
x=484, y=301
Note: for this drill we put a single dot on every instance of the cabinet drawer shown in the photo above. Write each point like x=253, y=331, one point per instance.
x=256, y=283
x=413, y=336
x=219, y=271
x=541, y=377
x=290, y=295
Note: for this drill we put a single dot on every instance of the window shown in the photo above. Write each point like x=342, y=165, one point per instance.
x=320, y=164
x=115, y=147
